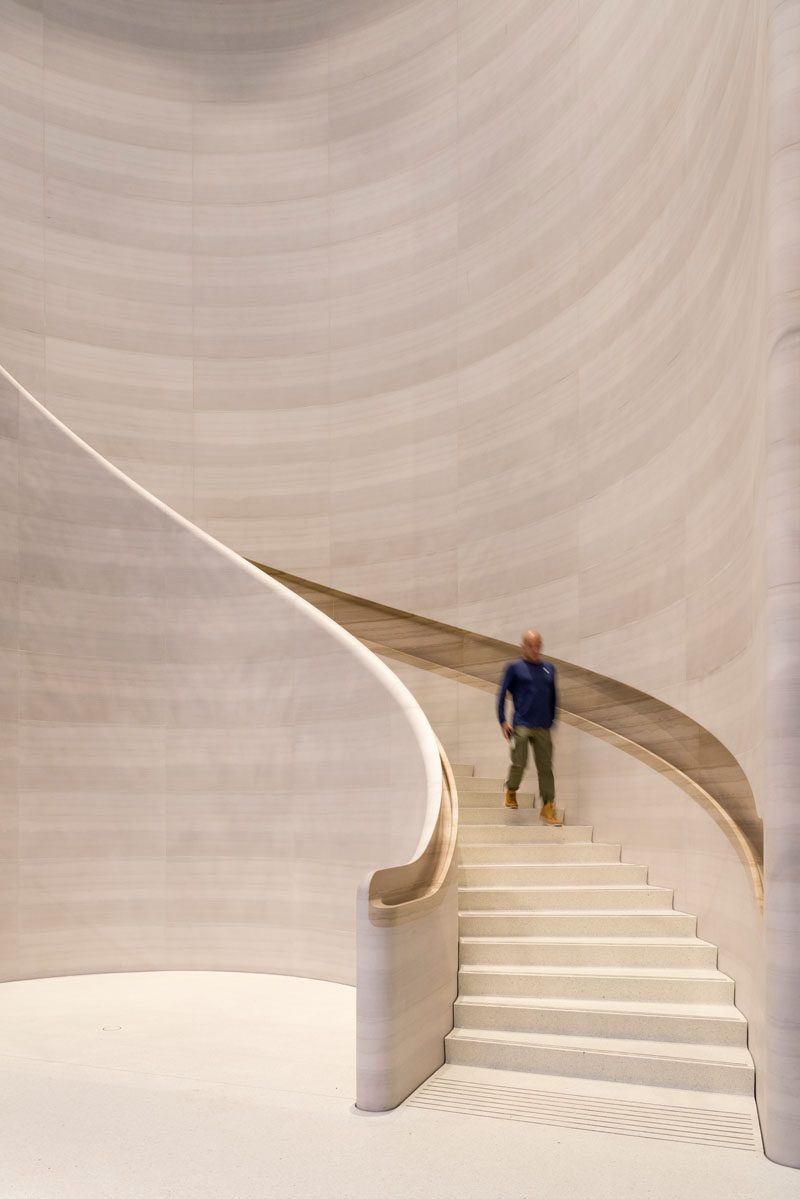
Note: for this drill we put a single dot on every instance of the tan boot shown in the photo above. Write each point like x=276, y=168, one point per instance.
x=511, y=799
x=548, y=815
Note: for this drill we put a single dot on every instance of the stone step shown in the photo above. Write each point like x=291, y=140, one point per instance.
x=494, y=786
x=513, y=827
x=462, y=770
x=516, y=923
x=523, y=853
x=641, y=952
x=500, y=814
x=725, y=1069
x=695, y=1023
x=567, y=897
x=552, y=874
x=473, y=798
x=632, y=984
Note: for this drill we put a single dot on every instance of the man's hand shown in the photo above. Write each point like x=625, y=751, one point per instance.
x=507, y=730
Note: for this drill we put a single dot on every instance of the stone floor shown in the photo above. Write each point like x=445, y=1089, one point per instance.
x=237, y=1086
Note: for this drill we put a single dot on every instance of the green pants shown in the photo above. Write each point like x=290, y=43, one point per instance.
x=542, y=744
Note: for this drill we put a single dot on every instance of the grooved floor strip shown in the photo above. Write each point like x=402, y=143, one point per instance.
x=662, y=1122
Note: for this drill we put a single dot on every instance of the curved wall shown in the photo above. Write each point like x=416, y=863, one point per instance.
x=197, y=769
x=455, y=306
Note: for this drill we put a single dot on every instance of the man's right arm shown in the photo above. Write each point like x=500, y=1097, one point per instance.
x=501, y=696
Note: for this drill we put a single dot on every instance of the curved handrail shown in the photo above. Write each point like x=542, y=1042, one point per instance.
x=646, y=728
x=399, y=893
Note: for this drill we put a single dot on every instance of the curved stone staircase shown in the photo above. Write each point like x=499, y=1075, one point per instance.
x=572, y=964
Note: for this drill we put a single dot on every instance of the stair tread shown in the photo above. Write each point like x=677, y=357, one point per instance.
x=580, y=941
x=565, y=887
x=552, y=865
x=734, y=1055
x=716, y=1011
x=573, y=828
x=601, y=913
x=660, y=972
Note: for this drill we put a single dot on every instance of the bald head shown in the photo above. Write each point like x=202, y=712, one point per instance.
x=531, y=645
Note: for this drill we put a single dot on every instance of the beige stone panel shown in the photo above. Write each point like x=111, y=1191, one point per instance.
x=396, y=532
x=101, y=109
x=530, y=237
x=22, y=311
x=552, y=608
x=82, y=47
x=518, y=460
x=254, y=330
x=9, y=920
x=24, y=351
x=396, y=308
x=509, y=32
x=397, y=497
x=303, y=545
x=81, y=232
x=723, y=701
x=257, y=126
x=9, y=537
x=89, y=690
x=633, y=583
x=407, y=87
x=198, y=826
x=286, y=277
x=214, y=945
x=90, y=759
x=263, y=70
x=157, y=438
x=416, y=584
x=223, y=695
x=21, y=236
x=366, y=158
x=121, y=324
x=506, y=153
x=230, y=893
x=65, y=827
x=335, y=949
x=42, y=490
x=248, y=230
x=272, y=490
x=719, y=617
x=21, y=138
x=82, y=374
x=110, y=167
x=90, y=917
x=23, y=32
x=391, y=36
x=418, y=188
x=389, y=256
x=260, y=176
x=393, y=363
x=418, y=414
x=644, y=504
x=649, y=653
x=266, y=436
x=243, y=760
x=513, y=559
x=136, y=282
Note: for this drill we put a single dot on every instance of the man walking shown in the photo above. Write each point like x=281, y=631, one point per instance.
x=532, y=684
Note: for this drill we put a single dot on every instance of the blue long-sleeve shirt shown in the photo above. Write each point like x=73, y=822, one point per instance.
x=533, y=689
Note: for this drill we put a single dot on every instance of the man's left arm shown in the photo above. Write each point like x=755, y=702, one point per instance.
x=553, y=695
